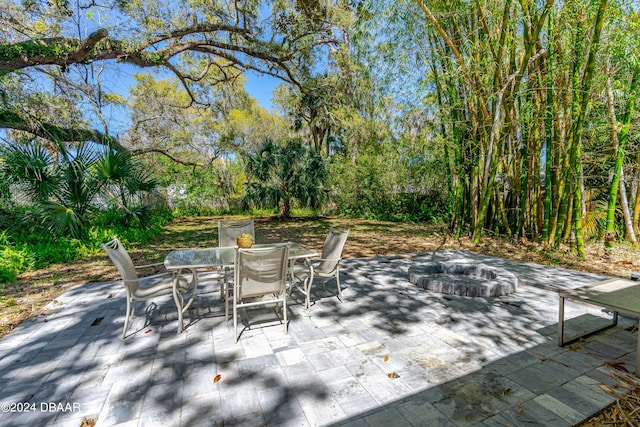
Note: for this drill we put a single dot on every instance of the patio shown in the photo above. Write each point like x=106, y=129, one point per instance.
x=390, y=354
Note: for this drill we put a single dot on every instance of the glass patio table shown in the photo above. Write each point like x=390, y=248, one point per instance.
x=210, y=258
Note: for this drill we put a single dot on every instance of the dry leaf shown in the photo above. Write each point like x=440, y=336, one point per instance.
x=506, y=391
x=605, y=388
x=217, y=378
x=148, y=330
x=617, y=365
x=386, y=358
x=393, y=375
x=625, y=262
x=520, y=409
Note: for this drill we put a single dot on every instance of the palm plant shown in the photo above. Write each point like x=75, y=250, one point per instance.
x=67, y=187
x=123, y=180
x=32, y=167
x=280, y=173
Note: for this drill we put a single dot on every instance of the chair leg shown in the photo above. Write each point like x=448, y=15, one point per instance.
x=224, y=285
x=338, y=284
x=235, y=317
x=177, y=299
x=307, y=292
x=226, y=298
x=284, y=309
x=126, y=318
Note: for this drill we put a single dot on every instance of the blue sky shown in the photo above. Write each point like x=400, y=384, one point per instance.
x=261, y=87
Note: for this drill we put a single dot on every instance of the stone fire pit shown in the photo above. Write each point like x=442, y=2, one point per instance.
x=458, y=277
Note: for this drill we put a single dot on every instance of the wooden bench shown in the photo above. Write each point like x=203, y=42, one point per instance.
x=618, y=295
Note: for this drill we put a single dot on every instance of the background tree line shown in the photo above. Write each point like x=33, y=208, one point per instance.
x=515, y=119
x=533, y=105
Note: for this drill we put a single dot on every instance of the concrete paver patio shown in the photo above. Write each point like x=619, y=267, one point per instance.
x=390, y=354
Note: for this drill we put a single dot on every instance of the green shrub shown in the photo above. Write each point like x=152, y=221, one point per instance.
x=13, y=261
x=27, y=245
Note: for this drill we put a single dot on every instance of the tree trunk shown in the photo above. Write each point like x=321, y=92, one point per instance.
x=619, y=142
x=285, y=207
x=548, y=134
x=636, y=209
x=575, y=159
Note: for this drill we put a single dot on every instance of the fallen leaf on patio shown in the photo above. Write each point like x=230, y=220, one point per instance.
x=148, y=330
x=520, y=409
x=506, y=391
x=217, y=378
x=605, y=388
x=618, y=365
x=393, y=375
x=386, y=358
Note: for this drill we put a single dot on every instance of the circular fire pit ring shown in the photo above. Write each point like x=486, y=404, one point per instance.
x=463, y=278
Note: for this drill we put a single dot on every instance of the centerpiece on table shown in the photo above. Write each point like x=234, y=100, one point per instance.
x=244, y=241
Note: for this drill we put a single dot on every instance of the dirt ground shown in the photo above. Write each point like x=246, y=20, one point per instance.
x=33, y=290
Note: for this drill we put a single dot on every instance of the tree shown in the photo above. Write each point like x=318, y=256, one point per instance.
x=192, y=40
x=280, y=173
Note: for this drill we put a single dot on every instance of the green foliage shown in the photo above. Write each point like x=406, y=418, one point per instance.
x=32, y=164
x=199, y=191
x=27, y=245
x=369, y=189
x=66, y=189
x=29, y=48
x=12, y=261
x=282, y=173
x=595, y=222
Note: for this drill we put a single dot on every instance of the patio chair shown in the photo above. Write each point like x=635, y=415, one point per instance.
x=145, y=288
x=325, y=268
x=227, y=233
x=229, y=230
x=259, y=273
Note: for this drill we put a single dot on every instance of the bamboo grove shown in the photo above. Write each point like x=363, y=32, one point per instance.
x=535, y=103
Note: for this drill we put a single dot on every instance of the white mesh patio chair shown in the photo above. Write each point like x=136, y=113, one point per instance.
x=227, y=233
x=325, y=268
x=145, y=288
x=229, y=230
x=260, y=278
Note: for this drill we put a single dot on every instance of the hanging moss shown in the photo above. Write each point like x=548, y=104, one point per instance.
x=38, y=48
x=152, y=58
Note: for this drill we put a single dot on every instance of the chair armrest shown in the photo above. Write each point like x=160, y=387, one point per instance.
x=155, y=264
x=327, y=259
x=152, y=276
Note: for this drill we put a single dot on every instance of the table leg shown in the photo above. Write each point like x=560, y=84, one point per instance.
x=561, y=323
x=638, y=353
x=176, y=298
x=179, y=297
